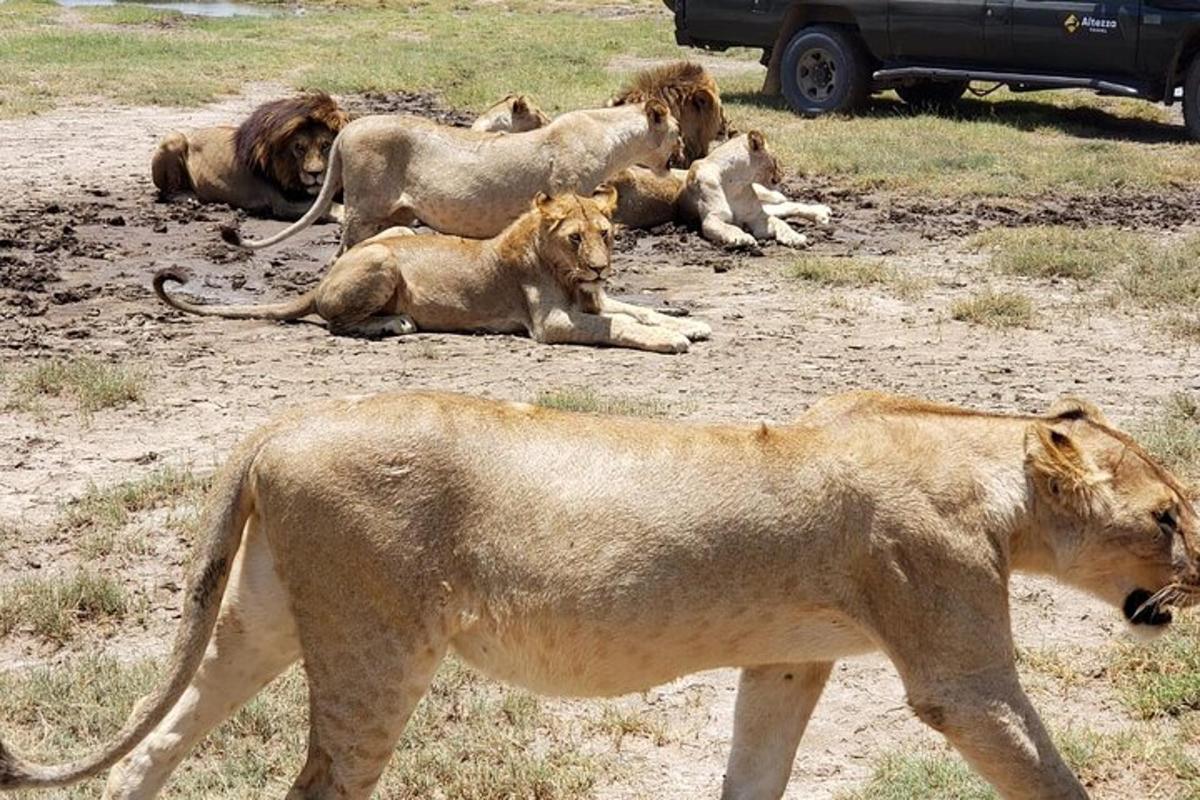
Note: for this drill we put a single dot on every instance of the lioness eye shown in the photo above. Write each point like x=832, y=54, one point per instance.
x=1166, y=521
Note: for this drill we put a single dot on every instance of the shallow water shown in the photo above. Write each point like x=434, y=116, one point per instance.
x=200, y=8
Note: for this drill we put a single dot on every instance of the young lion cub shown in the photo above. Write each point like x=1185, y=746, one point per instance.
x=516, y=113
x=543, y=275
x=724, y=193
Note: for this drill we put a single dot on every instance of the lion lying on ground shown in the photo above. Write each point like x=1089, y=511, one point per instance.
x=586, y=555
x=397, y=169
x=514, y=114
x=272, y=164
x=543, y=276
x=693, y=97
x=726, y=194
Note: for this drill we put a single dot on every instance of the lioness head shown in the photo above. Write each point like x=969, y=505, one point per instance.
x=516, y=113
x=1119, y=525
x=575, y=236
x=287, y=141
x=694, y=99
x=764, y=166
x=664, y=134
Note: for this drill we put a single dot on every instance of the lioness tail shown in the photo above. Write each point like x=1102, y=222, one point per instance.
x=287, y=310
x=225, y=516
x=319, y=208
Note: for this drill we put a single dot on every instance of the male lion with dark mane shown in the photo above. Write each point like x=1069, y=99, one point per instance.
x=693, y=97
x=587, y=555
x=272, y=164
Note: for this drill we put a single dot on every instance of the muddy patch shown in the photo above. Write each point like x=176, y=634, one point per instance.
x=422, y=104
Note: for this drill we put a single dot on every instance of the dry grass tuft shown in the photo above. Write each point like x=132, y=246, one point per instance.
x=995, y=309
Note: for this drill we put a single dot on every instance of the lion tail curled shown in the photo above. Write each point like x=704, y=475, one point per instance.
x=319, y=208
x=230, y=505
x=287, y=310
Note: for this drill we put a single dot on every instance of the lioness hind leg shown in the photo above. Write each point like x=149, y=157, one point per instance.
x=362, y=691
x=774, y=704
x=378, y=327
x=255, y=639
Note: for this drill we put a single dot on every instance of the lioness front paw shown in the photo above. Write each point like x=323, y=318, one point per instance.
x=822, y=214
x=739, y=240
x=694, y=330
x=790, y=238
x=667, y=341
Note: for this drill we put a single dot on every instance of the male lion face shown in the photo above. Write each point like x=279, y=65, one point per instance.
x=301, y=161
x=577, y=236
x=1118, y=525
x=701, y=122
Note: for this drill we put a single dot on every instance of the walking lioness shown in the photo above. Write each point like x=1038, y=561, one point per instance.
x=590, y=555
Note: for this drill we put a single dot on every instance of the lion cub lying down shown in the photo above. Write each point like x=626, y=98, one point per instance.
x=584, y=555
x=726, y=193
x=543, y=276
x=272, y=164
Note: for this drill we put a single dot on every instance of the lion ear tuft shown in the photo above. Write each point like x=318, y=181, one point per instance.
x=1059, y=468
x=657, y=112
x=703, y=99
x=606, y=198
x=520, y=104
x=1072, y=408
x=757, y=141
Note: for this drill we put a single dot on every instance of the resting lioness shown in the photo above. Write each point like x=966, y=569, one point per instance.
x=542, y=276
x=589, y=555
x=395, y=170
x=729, y=194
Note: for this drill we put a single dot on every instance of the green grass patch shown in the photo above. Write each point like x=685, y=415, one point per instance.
x=1169, y=275
x=841, y=271
x=1052, y=251
x=1173, y=435
x=588, y=401
x=469, y=739
x=995, y=309
x=111, y=507
x=1161, y=678
x=54, y=608
x=923, y=776
x=92, y=385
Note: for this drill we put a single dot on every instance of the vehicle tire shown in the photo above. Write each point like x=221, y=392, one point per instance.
x=824, y=70
x=1191, y=99
x=932, y=94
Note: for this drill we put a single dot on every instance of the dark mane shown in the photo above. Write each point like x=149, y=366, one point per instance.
x=678, y=79
x=269, y=126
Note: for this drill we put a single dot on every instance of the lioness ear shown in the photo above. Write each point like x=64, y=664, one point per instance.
x=606, y=197
x=1059, y=468
x=1068, y=408
x=520, y=104
x=541, y=202
x=757, y=141
x=657, y=112
x=703, y=99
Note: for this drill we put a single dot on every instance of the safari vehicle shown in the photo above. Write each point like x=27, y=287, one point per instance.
x=829, y=55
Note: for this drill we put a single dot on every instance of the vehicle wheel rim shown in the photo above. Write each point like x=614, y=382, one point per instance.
x=816, y=74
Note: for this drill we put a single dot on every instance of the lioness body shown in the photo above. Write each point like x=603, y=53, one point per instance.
x=395, y=170
x=727, y=195
x=542, y=276
x=273, y=164
x=588, y=555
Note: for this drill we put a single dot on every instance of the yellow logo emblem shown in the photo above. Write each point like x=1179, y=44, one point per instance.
x=1071, y=23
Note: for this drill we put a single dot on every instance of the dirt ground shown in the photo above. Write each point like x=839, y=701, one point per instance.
x=81, y=233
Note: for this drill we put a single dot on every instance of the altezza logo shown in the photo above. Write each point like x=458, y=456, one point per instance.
x=1071, y=23
x=1098, y=23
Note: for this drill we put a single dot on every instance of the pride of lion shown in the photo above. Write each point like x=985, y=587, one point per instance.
x=589, y=555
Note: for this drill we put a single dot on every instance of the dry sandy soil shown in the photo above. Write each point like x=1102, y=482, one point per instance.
x=81, y=233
